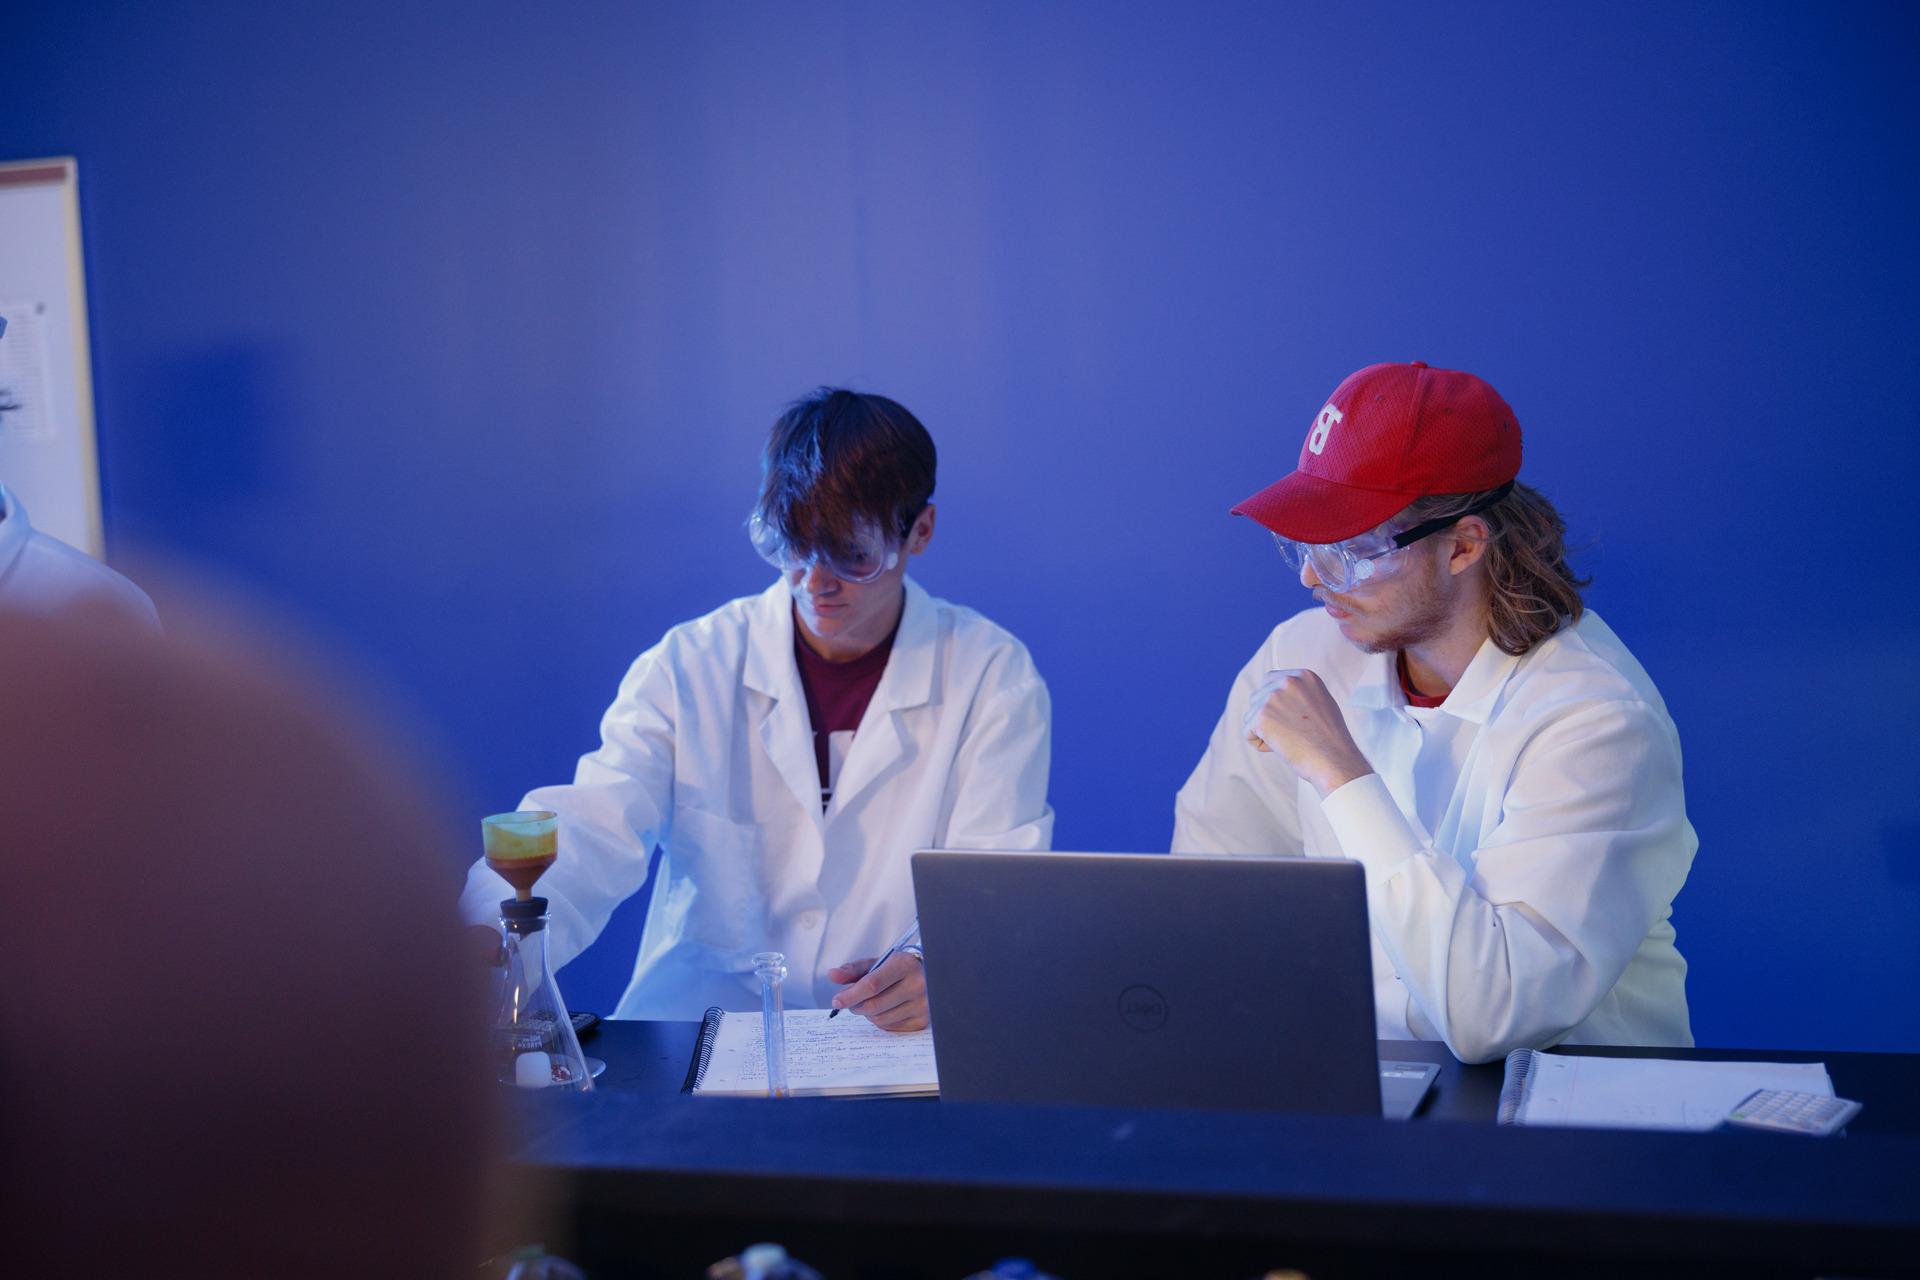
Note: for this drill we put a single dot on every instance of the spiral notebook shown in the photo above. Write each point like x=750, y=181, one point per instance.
x=1641, y=1093
x=846, y=1057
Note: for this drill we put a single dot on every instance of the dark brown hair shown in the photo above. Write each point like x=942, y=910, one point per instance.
x=838, y=458
x=1534, y=591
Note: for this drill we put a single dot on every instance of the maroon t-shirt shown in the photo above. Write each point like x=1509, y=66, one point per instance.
x=1414, y=697
x=837, y=696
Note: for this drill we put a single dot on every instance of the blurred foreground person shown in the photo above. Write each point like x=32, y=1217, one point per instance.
x=234, y=1035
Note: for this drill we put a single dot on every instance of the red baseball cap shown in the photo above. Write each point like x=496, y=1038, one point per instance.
x=1389, y=434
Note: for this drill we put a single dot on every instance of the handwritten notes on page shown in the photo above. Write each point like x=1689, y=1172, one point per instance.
x=847, y=1056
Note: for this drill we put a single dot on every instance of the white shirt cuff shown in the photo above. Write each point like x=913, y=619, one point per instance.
x=1370, y=827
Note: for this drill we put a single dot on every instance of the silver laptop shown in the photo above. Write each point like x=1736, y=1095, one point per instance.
x=1102, y=979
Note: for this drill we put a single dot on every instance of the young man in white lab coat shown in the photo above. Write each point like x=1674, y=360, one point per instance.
x=789, y=751
x=43, y=576
x=1453, y=718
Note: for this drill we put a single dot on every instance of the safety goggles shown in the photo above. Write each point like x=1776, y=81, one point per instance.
x=867, y=555
x=1374, y=555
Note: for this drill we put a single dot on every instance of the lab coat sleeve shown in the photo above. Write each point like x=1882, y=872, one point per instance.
x=611, y=816
x=998, y=784
x=1591, y=846
x=1229, y=805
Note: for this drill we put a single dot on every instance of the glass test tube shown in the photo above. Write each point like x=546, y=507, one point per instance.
x=771, y=966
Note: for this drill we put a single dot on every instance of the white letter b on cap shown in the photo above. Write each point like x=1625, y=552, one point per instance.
x=1323, y=426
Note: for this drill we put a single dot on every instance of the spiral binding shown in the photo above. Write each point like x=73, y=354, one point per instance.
x=1514, y=1092
x=703, y=1049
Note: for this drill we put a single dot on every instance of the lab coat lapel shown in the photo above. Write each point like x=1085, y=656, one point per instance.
x=14, y=531
x=786, y=734
x=1481, y=684
x=908, y=682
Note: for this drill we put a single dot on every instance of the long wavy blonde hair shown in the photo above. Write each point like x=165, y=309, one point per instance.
x=1534, y=591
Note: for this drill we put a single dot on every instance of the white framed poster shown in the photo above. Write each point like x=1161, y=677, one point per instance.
x=47, y=452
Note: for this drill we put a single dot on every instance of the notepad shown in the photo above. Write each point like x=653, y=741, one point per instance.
x=845, y=1057
x=1641, y=1093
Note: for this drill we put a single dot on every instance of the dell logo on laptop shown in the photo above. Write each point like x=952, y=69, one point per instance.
x=1143, y=1008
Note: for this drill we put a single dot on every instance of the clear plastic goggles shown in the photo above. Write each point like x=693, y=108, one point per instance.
x=1342, y=566
x=869, y=554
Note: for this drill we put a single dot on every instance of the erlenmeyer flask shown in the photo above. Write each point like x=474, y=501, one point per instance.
x=534, y=1046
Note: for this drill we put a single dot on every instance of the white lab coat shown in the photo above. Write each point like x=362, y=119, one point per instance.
x=1523, y=842
x=44, y=576
x=708, y=752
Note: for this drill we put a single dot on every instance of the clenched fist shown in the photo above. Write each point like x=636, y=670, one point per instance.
x=1293, y=716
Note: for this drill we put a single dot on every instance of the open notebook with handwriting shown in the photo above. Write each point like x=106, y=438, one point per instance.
x=845, y=1057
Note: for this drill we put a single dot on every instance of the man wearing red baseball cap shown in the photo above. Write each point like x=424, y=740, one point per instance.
x=1456, y=720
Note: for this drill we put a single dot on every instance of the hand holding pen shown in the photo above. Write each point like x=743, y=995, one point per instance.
x=891, y=992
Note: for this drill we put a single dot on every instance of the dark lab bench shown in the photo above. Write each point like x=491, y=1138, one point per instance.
x=660, y=1184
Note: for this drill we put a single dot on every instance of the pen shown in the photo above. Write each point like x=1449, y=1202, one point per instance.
x=887, y=955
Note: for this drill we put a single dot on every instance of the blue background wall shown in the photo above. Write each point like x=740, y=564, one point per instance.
x=454, y=329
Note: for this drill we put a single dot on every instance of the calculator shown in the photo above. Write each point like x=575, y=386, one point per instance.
x=1785, y=1111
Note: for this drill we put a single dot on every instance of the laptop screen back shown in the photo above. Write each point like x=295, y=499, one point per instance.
x=1150, y=980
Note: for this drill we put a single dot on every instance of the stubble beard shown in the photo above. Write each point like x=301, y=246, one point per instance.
x=1424, y=614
